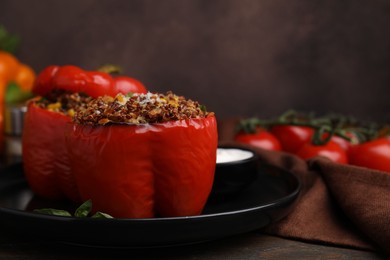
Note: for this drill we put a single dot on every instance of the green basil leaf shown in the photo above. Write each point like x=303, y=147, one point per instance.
x=81, y=212
x=84, y=209
x=101, y=215
x=54, y=212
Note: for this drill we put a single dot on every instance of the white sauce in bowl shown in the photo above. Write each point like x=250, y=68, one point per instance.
x=225, y=155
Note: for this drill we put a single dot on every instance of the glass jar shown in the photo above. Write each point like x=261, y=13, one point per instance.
x=13, y=129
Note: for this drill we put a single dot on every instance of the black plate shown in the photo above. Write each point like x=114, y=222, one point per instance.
x=268, y=199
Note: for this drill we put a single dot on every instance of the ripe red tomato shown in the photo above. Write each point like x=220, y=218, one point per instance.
x=373, y=154
x=345, y=144
x=331, y=150
x=262, y=139
x=292, y=137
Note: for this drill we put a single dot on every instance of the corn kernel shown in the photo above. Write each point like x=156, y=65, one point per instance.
x=54, y=106
x=71, y=112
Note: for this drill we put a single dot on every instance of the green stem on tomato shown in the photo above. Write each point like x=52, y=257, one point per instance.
x=334, y=124
x=318, y=136
x=249, y=125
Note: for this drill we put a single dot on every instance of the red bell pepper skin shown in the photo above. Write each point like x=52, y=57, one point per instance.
x=43, y=82
x=45, y=159
x=143, y=171
x=125, y=85
x=92, y=83
x=44, y=153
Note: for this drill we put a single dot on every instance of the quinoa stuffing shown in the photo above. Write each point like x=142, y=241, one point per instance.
x=64, y=102
x=139, y=109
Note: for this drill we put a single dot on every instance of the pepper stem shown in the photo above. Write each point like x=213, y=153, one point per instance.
x=110, y=69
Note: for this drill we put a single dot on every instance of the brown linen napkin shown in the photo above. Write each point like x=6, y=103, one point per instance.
x=339, y=205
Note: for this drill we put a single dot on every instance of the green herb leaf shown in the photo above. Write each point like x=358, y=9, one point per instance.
x=81, y=212
x=14, y=94
x=101, y=215
x=203, y=108
x=55, y=212
x=130, y=94
x=84, y=209
x=8, y=42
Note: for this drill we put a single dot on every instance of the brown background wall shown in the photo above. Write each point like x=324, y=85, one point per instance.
x=243, y=57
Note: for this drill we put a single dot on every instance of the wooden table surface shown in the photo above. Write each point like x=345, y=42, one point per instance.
x=252, y=245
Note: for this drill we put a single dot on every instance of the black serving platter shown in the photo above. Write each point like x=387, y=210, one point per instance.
x=268, y=199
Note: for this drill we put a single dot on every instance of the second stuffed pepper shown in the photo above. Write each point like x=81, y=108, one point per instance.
x=61, y=90
x=45, y=158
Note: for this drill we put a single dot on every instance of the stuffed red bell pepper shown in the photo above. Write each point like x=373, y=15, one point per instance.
x=144, y=156
x=45, y=159
x=63, y=90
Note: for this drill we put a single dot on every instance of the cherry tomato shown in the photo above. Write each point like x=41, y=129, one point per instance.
x=127, y=85
x=373, y=154
x=262, y=139
x=344, y=143
x=330, y=150
x=292, y=137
